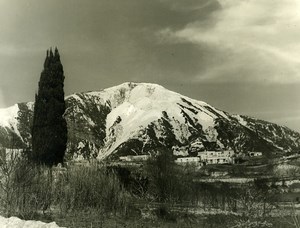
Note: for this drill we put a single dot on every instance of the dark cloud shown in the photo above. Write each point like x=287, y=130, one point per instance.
x=183, y=45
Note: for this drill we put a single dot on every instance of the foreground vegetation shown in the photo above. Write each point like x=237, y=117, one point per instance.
x=158, y=194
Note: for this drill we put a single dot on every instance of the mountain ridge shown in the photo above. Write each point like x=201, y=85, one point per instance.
x=136, y=118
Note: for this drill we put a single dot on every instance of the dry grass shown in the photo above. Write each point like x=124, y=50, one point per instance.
x=93, y=196
x=28, y=190
x=81, y=188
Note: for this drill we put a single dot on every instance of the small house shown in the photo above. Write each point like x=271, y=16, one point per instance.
x=134, y=158
x=188, y=160
x=254, y=154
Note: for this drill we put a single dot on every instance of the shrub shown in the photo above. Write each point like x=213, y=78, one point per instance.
x=168, y=182
x=90, y=187
x=25, y=189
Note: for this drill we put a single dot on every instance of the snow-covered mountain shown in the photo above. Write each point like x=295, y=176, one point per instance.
x=135, y=118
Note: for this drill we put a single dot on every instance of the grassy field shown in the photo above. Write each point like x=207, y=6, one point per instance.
x=90, y=219
x=158, y=194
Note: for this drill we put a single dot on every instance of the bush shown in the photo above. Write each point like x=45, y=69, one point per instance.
x=25, y=189
x=168, y=182
x=91, y=187
x=163, y=177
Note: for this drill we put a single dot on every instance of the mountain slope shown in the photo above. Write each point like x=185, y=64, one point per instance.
x=135, y=118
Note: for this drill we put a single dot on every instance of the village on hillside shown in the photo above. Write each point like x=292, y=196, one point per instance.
x=203, y=157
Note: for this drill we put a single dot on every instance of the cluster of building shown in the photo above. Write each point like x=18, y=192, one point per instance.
x=213, y=157
x=202, y=158
x=209, y=157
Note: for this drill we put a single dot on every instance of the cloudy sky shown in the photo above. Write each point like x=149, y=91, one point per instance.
x=241, y=56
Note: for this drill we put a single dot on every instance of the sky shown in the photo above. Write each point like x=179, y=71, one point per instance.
x=241, y=56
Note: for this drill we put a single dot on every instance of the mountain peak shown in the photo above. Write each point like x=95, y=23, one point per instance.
x=136, y=118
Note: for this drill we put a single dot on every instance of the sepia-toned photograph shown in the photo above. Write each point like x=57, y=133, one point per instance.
x=150, y=113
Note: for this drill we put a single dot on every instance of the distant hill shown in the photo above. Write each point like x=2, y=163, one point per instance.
x=135, y=118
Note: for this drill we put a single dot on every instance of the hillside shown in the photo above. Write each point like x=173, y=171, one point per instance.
x=135, y=118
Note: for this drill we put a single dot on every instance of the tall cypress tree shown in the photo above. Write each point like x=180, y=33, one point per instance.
x=49, y=131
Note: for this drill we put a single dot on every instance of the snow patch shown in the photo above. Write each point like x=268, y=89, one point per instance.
x=240, y=120
x=14, y=222
x=205, y=120
x=9, y=118
x=30, y=105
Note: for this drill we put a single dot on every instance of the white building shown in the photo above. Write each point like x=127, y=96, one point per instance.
x=188, y=160
x=216, y=157
x=228, y=153
x=134, y=158
x=254, y=154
